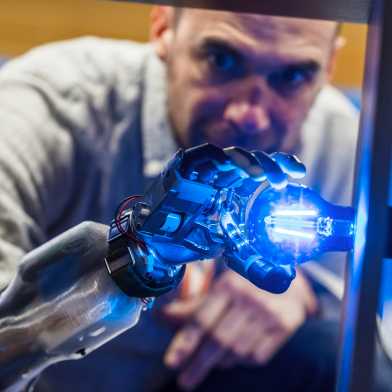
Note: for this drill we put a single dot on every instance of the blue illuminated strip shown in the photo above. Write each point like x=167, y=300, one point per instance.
x=294, y=233
x=297, y=223
x=295, y=213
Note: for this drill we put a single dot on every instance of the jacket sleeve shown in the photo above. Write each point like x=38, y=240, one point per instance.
x=36, y=165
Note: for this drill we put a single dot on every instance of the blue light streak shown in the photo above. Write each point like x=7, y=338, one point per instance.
x=295, y=213
x=295, y=233
x=293, y=222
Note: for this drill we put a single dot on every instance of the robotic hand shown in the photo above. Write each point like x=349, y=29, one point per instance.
x=208, y=203
x=197, y=209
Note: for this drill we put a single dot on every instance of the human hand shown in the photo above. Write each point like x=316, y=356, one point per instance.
x=235, y=323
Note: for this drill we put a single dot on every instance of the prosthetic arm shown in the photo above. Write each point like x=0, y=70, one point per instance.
x=91, y=283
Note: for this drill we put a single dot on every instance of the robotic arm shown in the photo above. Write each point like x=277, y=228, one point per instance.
x=88, y=285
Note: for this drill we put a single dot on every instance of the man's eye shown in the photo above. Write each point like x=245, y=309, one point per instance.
x=290, y=79
x=223, y=61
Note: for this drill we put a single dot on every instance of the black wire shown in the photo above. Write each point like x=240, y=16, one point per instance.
x=117, y=220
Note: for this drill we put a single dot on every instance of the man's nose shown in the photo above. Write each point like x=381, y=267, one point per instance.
x=249, y=117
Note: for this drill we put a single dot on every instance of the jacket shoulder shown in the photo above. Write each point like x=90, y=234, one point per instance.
x=81, y=62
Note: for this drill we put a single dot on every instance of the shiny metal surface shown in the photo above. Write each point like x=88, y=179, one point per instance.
x=341, y=10
x=371, y=201
x=62, y=305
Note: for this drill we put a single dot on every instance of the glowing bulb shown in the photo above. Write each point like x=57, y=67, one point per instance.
x=296, y=223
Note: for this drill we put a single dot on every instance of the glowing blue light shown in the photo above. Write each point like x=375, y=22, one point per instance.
x=293, y=222
x=295, y=233
x=295, y=213
x=274, y=221
x=297, y=224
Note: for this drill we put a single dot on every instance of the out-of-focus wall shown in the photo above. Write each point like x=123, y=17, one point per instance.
x=27, y=23
x=350, y=62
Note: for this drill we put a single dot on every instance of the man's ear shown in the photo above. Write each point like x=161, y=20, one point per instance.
x=162, y=30
x=338, y=44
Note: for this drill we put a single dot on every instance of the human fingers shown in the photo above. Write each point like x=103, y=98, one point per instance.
x=209, y=354
x=188, y=338
x=255, y=330
x=282, y=317
x=268, y=347
x=241, y=353
x=232, y=328
x=180, y=310
x=214, y=347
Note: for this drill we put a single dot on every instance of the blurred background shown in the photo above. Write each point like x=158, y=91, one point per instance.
x=25, y=24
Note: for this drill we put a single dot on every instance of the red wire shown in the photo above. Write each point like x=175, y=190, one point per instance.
x=117, y=220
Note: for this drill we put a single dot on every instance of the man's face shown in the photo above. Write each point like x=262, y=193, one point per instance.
x=245, y=80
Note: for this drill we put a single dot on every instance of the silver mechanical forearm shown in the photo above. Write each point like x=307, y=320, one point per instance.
x=61, y=305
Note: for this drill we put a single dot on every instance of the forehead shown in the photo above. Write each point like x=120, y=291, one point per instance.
x=260, y=33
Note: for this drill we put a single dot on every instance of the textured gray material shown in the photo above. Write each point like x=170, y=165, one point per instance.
x=71, y=114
